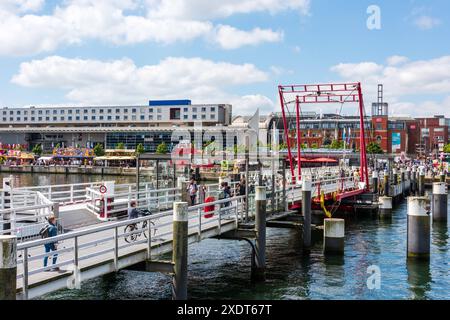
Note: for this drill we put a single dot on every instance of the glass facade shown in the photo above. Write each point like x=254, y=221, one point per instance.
x=150, y=140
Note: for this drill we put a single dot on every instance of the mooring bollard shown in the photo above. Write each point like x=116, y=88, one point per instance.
x=386, y=184
x=375, y=181
x=385, y=207
x=306, y=210
x=418, y=242
x=8, y=267
x=440, y=198
x=333, y=236
x=180, y=250
x=422, y=183
x=259, y=272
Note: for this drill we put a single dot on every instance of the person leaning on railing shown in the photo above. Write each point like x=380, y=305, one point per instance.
x=52, y=231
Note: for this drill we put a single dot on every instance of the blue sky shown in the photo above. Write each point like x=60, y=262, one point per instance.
x=130, y=51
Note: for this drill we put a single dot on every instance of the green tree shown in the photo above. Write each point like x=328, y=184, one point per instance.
x=374, y=148
x=98, y=150
x=120, y=146
x=336, y=144
x=162, y=148
x=447, y=148
x=140, y=149
x=37, y=149
x=314, y=146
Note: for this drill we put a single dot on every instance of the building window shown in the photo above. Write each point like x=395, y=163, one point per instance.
x=159, y=110
x=40, y=112
x=117, y=117
x=213, y=109
x=93, y=111
x=4, y=119
x=194, y=116
x=175, y=114
x=32, y=118
x=69, y=111
x=93, y=118
x=213, y=116
x=109, y=118
x=185, y=109
x=133, y=118
x=194, y=109
x=69, y=118
x=101, y=110
x=18, y=119
x=18, y=112
x=77, y=118
x=55, y=111
x=150, y=117
x=77, y=111
x=117, y=110
x=125, y=117
x=40, y=118
x=62, y=118
x=61, y=111
x=159, y=117
x=47, y=118
x=133, y=110
x=25, y=119
x=185, y=116
x=203, y=109
x=109, y=110
x=47, y=111
x=101, y=117
x=142, y=117
x=54, y=118
x=32, y=111
x=203, y=116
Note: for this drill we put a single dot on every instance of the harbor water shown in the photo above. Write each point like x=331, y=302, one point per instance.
x=220, y=269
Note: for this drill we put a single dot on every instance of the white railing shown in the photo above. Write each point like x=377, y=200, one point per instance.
x=26, y=221
x=107, y=206
x=87, y=247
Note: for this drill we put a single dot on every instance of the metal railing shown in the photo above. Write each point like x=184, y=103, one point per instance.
x=86, y=247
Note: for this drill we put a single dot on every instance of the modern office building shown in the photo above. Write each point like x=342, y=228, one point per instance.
x=107, y=125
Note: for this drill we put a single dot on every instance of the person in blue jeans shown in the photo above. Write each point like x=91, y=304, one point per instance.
x=52, y=232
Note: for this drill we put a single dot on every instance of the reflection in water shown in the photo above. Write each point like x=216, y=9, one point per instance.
x=439, y=234
x=419, y=278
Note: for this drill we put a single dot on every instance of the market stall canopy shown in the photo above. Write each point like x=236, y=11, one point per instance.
x=45, y=158
x=112, y=158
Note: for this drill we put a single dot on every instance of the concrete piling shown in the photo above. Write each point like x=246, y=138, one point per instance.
x=413, y=181
x=375, y=182
x=8, y=267
x=394, y=177
x=418, y=234
x=180, y=250
x=421, y=183
x=306, y=210
x=408, y=178
x=386, y=184
x=333, y=236
x=385, y=207
x=440, y=199
x=259, y=270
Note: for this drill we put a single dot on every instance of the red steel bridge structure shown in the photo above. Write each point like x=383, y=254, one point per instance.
x=341, y=93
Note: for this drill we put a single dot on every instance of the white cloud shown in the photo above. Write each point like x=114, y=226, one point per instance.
x=121, y=81
x=402, y=82
x=248, y=104
x=231, y=38
x=21, y=6
x=426, y=22
x=211, y=9
x=396, y=60
x=23, y=32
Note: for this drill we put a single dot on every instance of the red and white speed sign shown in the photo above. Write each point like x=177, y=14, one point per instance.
x=103, y=189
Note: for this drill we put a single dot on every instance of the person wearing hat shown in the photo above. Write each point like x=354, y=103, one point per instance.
x=52, y=232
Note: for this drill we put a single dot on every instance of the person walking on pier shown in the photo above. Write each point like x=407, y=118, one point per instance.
x=133, y=213
x=51, y=231
x=192, y=190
